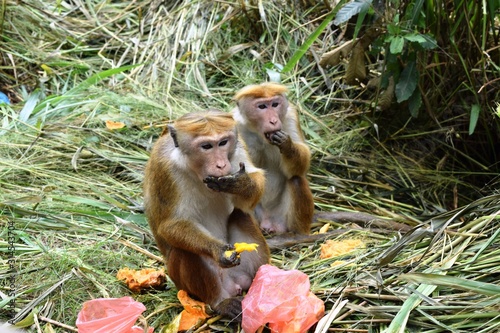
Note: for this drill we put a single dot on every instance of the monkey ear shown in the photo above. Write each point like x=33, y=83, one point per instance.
x=173, y=134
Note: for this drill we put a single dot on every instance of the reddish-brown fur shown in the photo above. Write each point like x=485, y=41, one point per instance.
x=270, y=126
x=200, y=190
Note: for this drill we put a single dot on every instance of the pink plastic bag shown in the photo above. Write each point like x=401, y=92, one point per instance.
x=110, y=315
x=282, y=299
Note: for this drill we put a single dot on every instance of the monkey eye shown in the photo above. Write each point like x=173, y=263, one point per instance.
x=275, y=104
x=206, y=146
x=261, y=106
x=223, y=143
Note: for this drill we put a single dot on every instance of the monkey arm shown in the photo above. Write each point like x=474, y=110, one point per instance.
x=297, y=160
x=296, y=155
x=247, y=188
x=189, y=236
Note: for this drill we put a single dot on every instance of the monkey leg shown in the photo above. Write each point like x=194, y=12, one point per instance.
x=243, y=228
x=301, y=214
x=272, y=221
x=205, y=280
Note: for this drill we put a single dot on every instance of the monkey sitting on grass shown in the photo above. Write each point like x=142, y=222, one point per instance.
x=200, y=191
x=270, y=127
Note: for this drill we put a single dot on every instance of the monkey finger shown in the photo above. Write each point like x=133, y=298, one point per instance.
x=230, y=258
x=212, y=183
x=280, y=136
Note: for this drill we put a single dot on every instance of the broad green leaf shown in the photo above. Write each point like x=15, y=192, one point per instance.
x=415, y=38
x=474, y=116
x=351, y=9
x=393, y=29
x=407, y=82
x=397, y=44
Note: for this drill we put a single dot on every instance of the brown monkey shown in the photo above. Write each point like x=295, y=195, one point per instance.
x=200, y=190
x=270, y=127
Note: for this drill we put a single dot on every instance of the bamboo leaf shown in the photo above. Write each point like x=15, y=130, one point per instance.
x=307, y=44
x=482, y=288
x=96, y=78
x=474, y=116
x=30, y=105
x=351, y=9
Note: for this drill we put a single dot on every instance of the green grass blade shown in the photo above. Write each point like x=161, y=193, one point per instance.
x=453, y=282
x=307, y=43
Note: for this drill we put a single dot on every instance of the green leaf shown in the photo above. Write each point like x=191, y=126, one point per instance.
x=30, y=105
x=477, y=287
x=407, y=82
x=416, y=11
x=54, y=100
x=414, y=103
x=359, y=23
x=351, y=9
x=397, y=44
x=474, y=116
x=415, y=38
x=393, y=29
x=430, y=43
x=307, y=44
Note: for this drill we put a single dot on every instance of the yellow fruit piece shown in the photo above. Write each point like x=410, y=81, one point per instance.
x=240, y=247
x=228, y=253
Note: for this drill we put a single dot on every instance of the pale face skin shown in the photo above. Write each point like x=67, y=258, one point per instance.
x=265, y=114
x=210, y=155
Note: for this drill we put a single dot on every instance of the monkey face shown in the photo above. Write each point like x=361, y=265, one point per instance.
x=266, y=114
x=210, y=156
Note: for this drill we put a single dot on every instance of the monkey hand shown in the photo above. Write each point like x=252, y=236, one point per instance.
x=228, y=183
x=229, y=256
x=280, y=139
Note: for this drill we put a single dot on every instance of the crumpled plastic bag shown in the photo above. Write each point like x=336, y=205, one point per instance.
x=283, y=299
x=110, y=315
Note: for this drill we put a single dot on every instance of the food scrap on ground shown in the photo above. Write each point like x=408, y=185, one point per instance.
x=114, y=125
x=193, y=313
x=137, y=280
x=333, y=248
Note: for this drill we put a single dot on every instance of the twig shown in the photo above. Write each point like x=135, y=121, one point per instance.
x=51, y=321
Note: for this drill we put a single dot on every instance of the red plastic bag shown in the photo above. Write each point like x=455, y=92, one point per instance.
x=110, y=315
x=282, y=299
